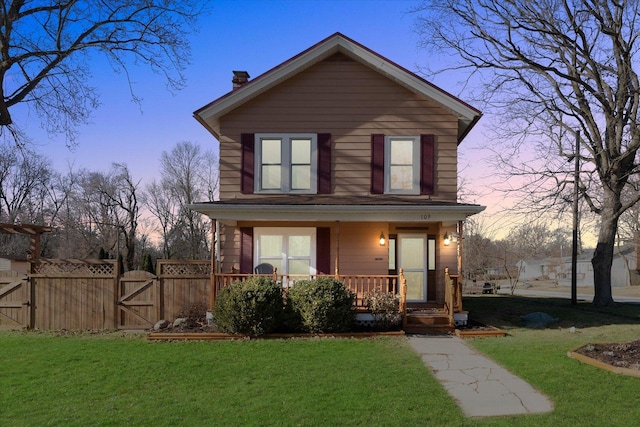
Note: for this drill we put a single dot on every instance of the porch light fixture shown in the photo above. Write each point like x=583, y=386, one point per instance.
x=382, y=239
x=447, y=238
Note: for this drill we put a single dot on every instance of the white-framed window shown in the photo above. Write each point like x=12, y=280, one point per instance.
x=290, y=250
x=402, y=165
x=286, y=163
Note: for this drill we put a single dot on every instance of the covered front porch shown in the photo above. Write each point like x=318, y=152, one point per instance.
x=398, y=248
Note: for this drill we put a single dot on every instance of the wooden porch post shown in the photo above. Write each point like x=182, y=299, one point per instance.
x=214, y=266
x=337, y=260
x=403, y=297
x=459, y=249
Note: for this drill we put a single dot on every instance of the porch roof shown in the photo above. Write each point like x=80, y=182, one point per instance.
x=349, y=209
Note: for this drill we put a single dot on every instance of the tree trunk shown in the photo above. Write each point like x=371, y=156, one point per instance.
x=603, y=258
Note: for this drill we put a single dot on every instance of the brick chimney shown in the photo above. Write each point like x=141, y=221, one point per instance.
x=240, y=78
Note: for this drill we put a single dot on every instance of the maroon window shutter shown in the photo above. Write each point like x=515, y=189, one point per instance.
x=377, y=164
x=427, y=164
x=246, y=250
x=324, y=163
x=246, y=178
x=323, y=250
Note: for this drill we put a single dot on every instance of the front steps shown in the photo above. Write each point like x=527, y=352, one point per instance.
x=429, y=321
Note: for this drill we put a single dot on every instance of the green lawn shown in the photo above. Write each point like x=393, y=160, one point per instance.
x=120, y=379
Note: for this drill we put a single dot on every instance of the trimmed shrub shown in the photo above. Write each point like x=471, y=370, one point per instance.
x=385, y=310
x=252, y=307
x=322, y=305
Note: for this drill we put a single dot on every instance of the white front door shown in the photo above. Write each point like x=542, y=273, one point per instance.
x=412, y=250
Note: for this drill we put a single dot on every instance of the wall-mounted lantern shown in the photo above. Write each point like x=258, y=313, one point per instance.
x=450, y=237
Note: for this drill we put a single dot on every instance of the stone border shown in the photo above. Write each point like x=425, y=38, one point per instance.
x=598, y=364
x=217, y=336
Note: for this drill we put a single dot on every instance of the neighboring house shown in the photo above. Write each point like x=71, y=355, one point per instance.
x=623, y=269
x=531, y=269
x=13, y=263
x=339, y=162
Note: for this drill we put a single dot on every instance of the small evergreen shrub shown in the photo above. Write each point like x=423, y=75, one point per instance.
x=385, y=310
x=252, y=307
x=321, y=305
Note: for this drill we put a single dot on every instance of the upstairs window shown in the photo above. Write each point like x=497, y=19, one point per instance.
x=286, y=163
x=402, y=165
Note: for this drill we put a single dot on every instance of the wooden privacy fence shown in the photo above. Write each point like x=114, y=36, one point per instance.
x=14, y=300
x=90, y=294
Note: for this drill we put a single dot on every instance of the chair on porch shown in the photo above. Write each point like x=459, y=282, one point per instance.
x=263, y=268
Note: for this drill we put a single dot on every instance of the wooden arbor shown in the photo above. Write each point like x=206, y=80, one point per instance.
x=34, y=232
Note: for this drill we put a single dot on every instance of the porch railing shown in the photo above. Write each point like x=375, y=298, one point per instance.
x=360, y=284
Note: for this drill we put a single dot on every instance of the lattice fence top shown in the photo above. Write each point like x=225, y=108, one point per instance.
x=184, y=268
x=75, y=267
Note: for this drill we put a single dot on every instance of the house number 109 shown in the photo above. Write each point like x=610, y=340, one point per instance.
x=425, y=216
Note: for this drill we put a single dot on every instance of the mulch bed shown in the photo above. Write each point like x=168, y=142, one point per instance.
x=208, y=333
x=622, y=358
x=218, y=336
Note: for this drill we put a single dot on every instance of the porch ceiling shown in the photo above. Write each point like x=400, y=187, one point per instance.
x=383, y=211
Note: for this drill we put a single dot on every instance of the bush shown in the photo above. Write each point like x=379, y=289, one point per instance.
x=385, y=310
x=322, y=305
x=253, y=307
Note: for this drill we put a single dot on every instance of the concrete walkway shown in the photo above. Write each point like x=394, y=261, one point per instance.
x=480, y=386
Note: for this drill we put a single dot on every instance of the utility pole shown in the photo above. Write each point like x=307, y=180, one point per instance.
x=574, y=251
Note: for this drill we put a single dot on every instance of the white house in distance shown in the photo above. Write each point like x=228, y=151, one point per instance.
x=624, y=270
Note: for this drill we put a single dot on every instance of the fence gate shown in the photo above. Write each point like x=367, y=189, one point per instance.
x=15, y=300
x=139, y=303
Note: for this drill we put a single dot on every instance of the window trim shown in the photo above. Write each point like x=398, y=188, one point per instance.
x=417, y=160
x=286, y=166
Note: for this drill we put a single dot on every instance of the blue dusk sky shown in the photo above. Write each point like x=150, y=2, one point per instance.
x=237, y=35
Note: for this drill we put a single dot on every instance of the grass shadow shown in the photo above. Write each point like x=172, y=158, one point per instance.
x=505, y=311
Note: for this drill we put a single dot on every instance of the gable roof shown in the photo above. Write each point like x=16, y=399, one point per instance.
x=209, y=115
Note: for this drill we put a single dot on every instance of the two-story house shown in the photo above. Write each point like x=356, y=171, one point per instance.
x=339, y=162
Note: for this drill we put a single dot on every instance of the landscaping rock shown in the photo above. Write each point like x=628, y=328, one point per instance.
x=180, y=321
x=538, y=320
x=161, y=324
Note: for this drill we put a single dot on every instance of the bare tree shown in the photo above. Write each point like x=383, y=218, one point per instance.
x=189, y=175
x=45, y=48
x=111, y=204
x=552, y=68
x=22, y=173
x=162, y=206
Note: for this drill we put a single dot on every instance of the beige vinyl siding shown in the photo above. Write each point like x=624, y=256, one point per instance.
x=229, y=249
x=350, y=101
x=360, y=250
